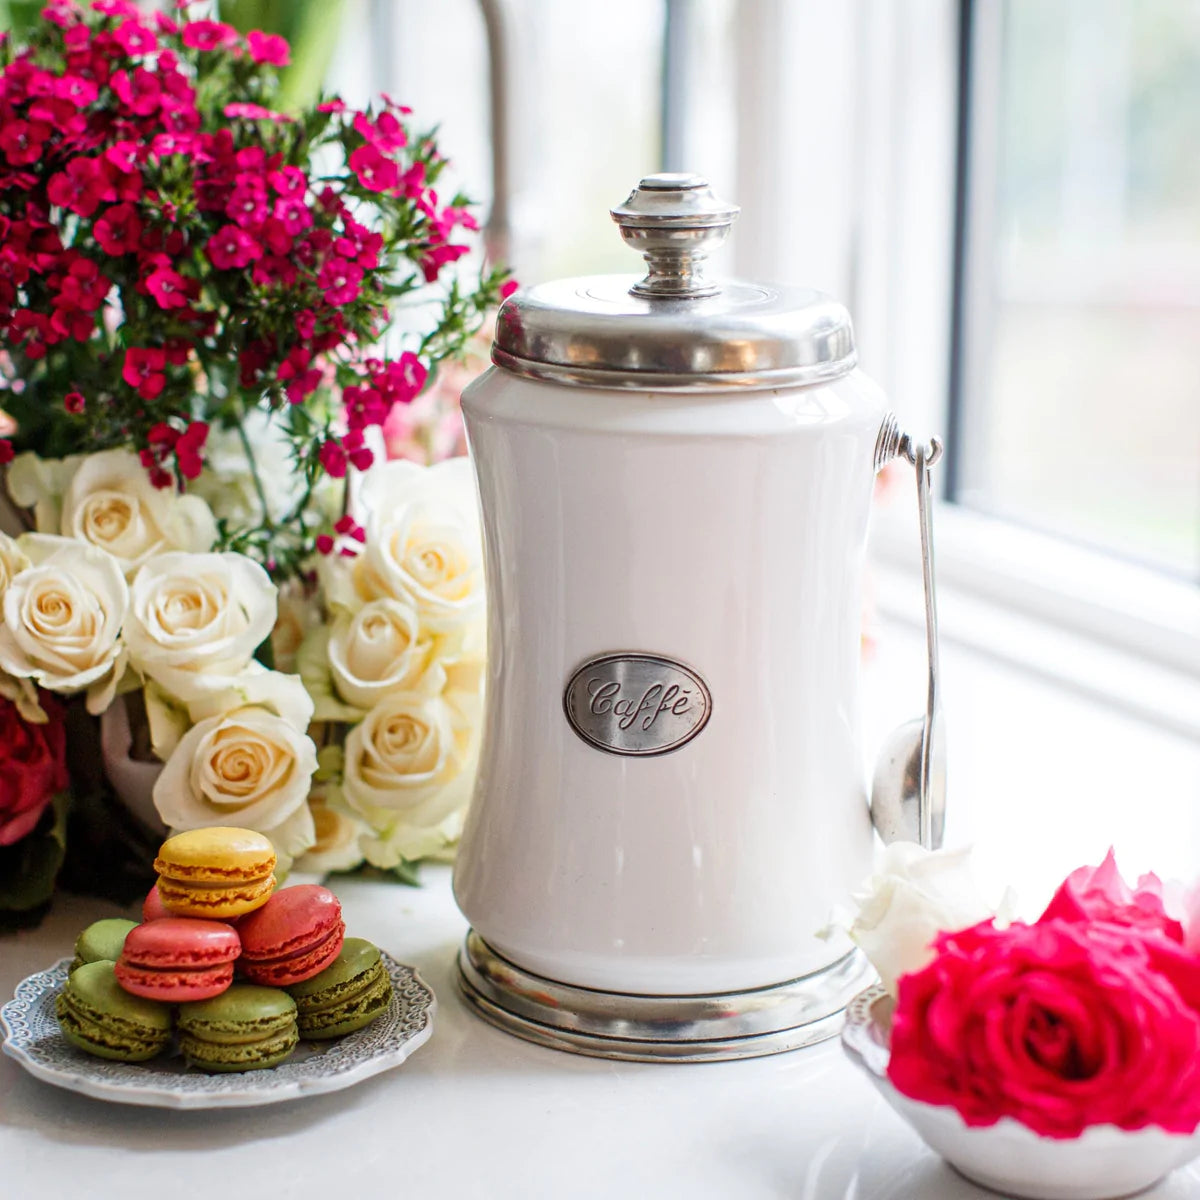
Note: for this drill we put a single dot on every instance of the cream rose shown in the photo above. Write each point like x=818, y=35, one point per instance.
x=110, y=502
x=381, y=649
x=914, y=895
x=195, y=621
x=338, y=836
x=249, y=768
x=63, y=617
x=13, y=560
x=423, y=542
x=406, y=773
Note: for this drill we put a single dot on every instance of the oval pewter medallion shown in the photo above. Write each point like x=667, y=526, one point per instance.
x=636, y=704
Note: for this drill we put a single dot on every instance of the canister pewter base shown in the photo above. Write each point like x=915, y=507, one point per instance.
x=710, y=1028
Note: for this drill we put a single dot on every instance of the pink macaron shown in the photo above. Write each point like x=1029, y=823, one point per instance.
x=178, y=959
x=294, y=936
x=153, y=908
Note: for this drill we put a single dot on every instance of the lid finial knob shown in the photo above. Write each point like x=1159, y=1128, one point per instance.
x=676, y=222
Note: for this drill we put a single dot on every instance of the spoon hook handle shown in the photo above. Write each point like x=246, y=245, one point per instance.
x=923, y=458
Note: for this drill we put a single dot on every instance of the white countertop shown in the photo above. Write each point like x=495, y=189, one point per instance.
x=478, y=1113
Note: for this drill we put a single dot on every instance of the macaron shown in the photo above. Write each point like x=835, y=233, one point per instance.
x=294, y=936
x=348, y=995
x=178, y=959
x=245, y=1028
x=98, y=1016
x=101, y=941
x=153, y=908
x=220, y=872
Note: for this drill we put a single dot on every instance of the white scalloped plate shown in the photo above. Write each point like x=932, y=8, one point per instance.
x=32, y=1037
x=1103, y=1163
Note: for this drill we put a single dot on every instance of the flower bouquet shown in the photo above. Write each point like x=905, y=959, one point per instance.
x=227, y=606
x=1058, y=1059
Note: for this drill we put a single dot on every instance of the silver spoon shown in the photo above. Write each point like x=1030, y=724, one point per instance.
x=908, y=793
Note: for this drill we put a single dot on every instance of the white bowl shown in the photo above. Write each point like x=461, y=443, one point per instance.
x=1103, y=1163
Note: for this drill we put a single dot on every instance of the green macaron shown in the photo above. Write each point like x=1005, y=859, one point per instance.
x=98, y=1016
x=349, y=994
x=102, y=941
x=245, y=1028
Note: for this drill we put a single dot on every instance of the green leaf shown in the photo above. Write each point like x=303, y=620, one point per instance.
x=407, y=873
x=29, y=869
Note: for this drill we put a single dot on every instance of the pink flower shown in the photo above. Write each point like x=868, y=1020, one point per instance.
x=115, y=8
x=306, y=323
x=1059, y=1025
x=273, y=269
x=21, y=142
x=145, y=370
x=119, y=230
x=340, y=281
x=167, y=287
x=74, y=402
x=123, y=155
x=324, y=543
x=134, y=38
x=288, y=182
x=248, y=204
x=231, y=248
x=164, y=24
x=187, y=449
x=140, y=92
x=208, y=35
x=1100, y=894
x=78, y=188
x=335, y=105
x=333, y=458
x=75, y=89
x=254, y=112
x=294, y=215
x=268, y=48
x=385, y=132
x=436, y=257
x=507, y=288
x=375, y=172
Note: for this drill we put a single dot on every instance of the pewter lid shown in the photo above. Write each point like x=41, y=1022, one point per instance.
x=674, y=329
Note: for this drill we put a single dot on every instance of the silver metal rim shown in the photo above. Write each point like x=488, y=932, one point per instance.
x=616, y=379
x=639, y=1028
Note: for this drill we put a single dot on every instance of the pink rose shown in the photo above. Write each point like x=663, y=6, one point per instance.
x=1100, y=894
x=32, y=768
x=1059, y=1025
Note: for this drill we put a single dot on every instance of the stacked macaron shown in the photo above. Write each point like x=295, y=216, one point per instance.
x=214, y=914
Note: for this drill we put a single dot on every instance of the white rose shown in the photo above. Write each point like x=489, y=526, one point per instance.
x=407, y=773
x=255, y=687
x=110, y=502
x=381, y=649
x=249, y=768
x=13, y=560
x=423, y=541
x=63, y=617
x=914, y=895
x=338, y=835
x=39, y=484
x=195, y=621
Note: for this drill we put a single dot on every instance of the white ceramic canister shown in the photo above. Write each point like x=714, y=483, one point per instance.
x=675, y=480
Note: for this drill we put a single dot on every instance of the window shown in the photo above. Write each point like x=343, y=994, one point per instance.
x=1078, y=399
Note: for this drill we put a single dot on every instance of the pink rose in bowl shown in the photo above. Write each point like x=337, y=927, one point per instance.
x=1059, y=1025
x=32, y=768
x=1100, y=894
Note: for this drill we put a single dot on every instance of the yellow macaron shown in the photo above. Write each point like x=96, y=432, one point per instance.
x=219, y=872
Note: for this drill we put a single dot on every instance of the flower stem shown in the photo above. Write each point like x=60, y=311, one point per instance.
x=253, y=465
